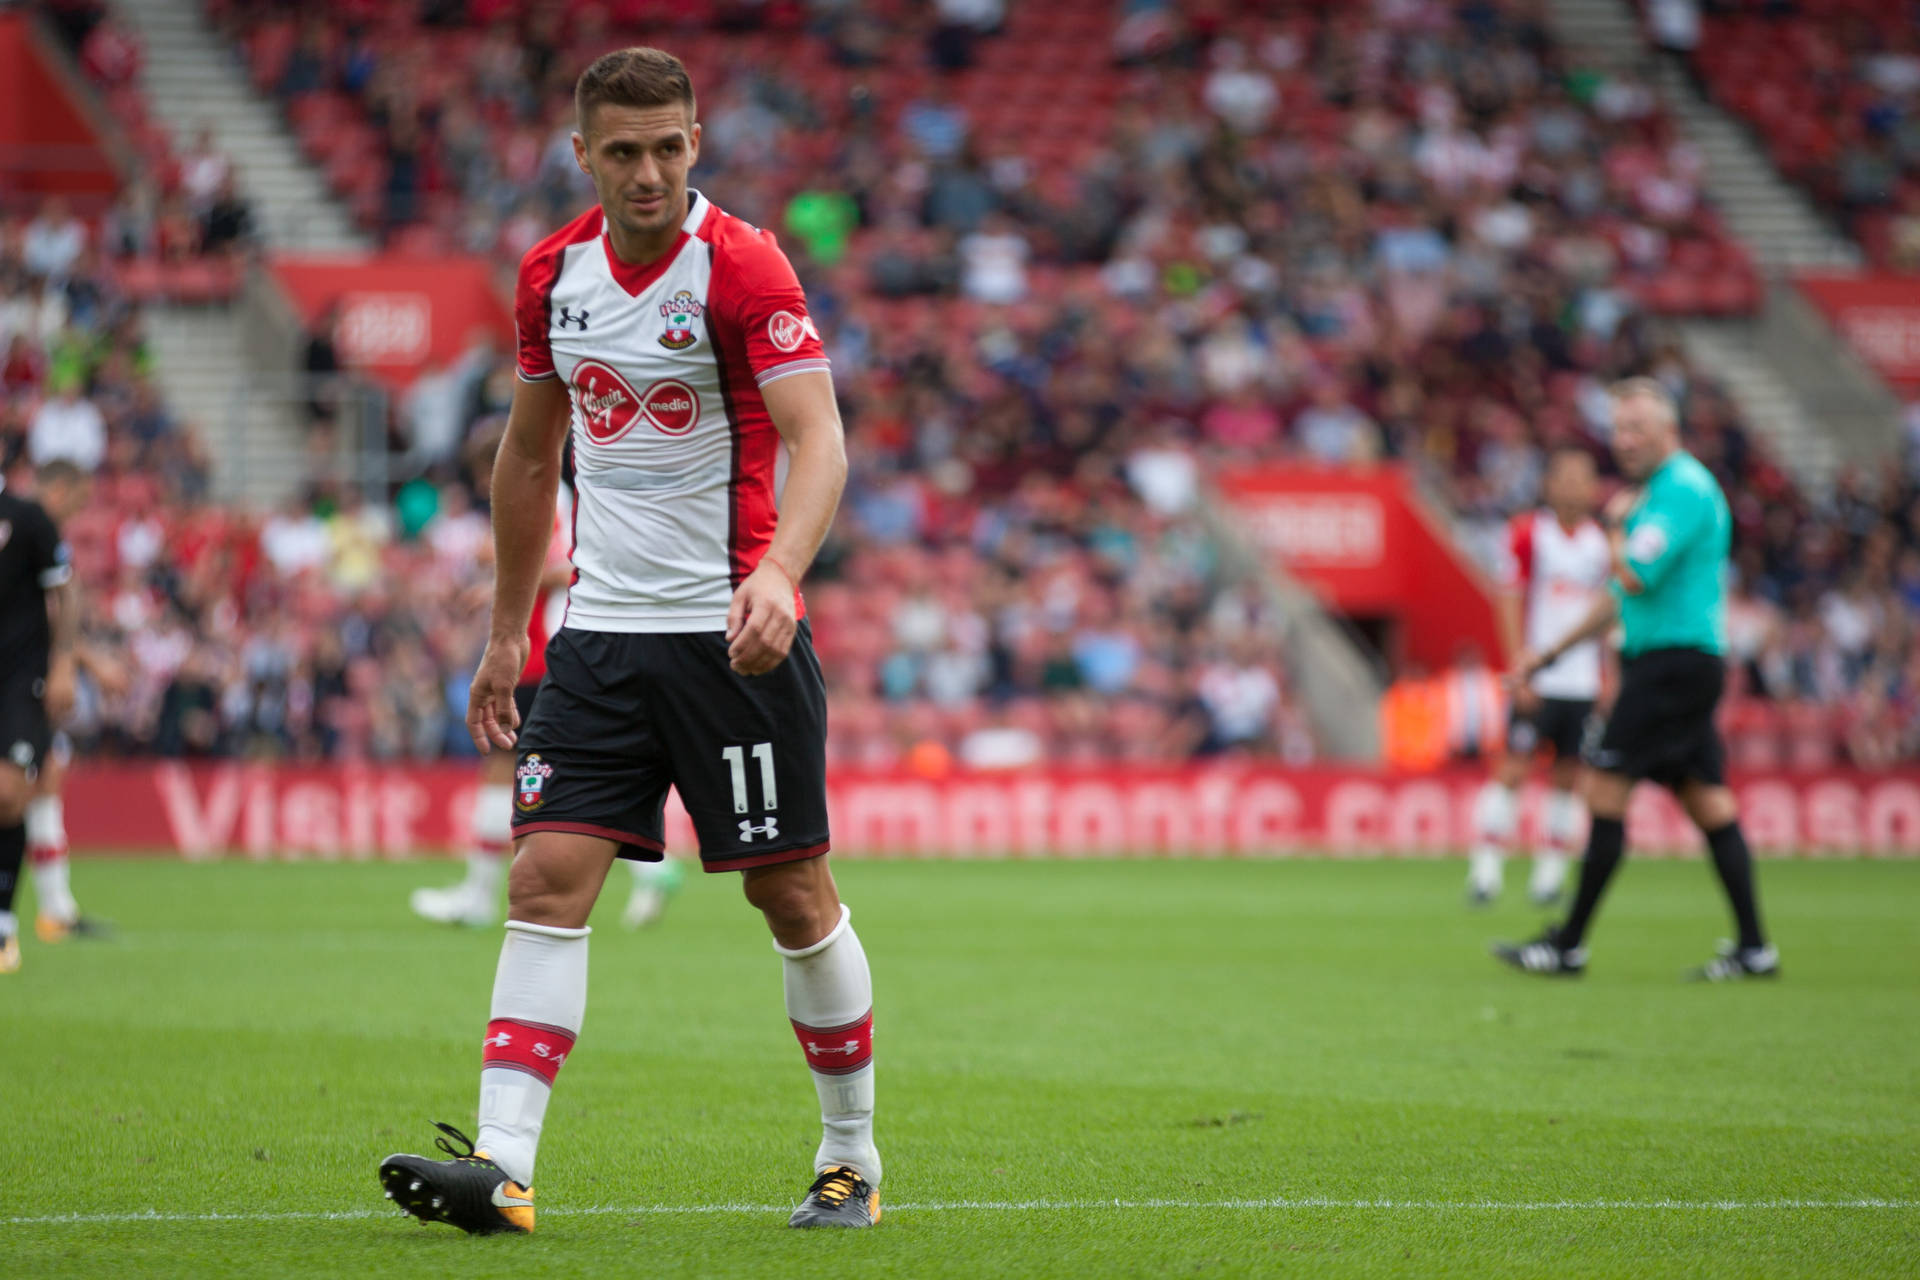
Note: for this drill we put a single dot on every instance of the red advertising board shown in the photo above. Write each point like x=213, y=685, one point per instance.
x=1366, y=541
x=1879, y=316
x=397, y=315
x=357, y=813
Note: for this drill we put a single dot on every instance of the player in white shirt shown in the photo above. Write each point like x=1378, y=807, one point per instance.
x=1558, y=562
x=673, y=341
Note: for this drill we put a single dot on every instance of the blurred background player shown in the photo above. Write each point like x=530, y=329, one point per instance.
x=36, y=661
x=1668, y=537
x=475, y=901
x=1557, y=568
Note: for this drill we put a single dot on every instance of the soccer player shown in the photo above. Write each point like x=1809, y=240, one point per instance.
x=1558, y=566
x=678, y=338
x=1669, y=539
x=475, y=901
x=36, y=661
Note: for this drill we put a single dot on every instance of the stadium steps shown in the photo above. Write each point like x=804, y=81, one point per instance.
x=1770, y=402
x=1773, y=217
x=191, y=79
x=250, y=428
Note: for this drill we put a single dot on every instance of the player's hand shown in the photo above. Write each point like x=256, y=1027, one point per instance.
x=1523, y=670
x=60, y=688
x=492, y=719
x=761, y=621
x=1525, y=700
x=1620, y=505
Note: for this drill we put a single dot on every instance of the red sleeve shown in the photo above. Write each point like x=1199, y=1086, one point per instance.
x=1519, y=552
x=755, y=292
x=531, y=296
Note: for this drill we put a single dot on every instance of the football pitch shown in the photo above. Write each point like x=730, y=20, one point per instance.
x=1086, y=1069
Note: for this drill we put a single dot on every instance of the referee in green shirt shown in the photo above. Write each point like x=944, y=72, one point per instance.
x=1670, y=533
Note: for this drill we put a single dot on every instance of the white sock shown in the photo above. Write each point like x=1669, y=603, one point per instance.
x=9, y=925
x=492, y=839
x=1563, y=822
x=830, y=1003
x=1495, y=812
x=651, y=875
x=539, y=1002
x=47, y=855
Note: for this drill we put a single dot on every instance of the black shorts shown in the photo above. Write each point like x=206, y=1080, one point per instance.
x=622, y=717
x=1560, y=723
x=25, y=732
x=1662, y=728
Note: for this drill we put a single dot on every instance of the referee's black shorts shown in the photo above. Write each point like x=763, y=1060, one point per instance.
x=1661, y=727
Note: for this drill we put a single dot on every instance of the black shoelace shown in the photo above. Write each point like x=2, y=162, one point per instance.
x=837, y=1186
x=457, y=1136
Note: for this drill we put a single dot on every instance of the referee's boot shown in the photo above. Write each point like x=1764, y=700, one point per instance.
x=1736, y=964
x=1544, y=955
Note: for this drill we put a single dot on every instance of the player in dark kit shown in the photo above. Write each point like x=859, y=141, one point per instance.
x=673, y=340
x=36, y=661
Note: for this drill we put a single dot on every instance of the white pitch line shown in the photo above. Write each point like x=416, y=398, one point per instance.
x=1025, y=1206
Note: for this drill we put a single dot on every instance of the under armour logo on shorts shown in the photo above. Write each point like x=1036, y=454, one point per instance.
x=770, y=830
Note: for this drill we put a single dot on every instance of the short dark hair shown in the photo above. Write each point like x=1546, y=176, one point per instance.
x=636, y=77
x=58, y=471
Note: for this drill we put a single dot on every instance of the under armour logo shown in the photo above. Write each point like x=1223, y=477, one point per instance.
x=568, y=318
x=770, y=831
x=850, y=1048
x=498, y=1040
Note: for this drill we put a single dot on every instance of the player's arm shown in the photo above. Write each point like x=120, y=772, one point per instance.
x=762, y=620
x=526, y=482
x=63, y=621
x=53, y=566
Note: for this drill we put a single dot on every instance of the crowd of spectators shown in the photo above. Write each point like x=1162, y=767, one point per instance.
x=1315, y=233
x=176, y=206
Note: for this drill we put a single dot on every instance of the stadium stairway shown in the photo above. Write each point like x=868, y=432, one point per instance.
x=250, y=425
x=1818, y=409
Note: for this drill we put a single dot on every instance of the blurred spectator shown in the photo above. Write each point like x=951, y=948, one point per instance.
x=54, y=241
x=70, y=427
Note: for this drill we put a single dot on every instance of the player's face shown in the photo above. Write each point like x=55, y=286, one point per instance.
x=1569, y=484
x=64, y=499
x=638, y=158
x=1642, y=436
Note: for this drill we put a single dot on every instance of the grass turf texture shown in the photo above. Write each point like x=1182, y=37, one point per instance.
x=259, y=1036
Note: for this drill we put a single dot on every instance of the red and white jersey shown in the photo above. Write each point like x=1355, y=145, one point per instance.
x=1560, y=573
x=549, y=608
x=674, y=450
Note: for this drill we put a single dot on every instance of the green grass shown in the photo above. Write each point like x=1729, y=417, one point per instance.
x=259, y=1036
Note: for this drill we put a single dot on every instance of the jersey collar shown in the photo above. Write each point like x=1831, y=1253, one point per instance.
x=637, y=280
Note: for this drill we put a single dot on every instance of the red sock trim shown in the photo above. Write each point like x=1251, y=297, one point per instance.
x=42, y=854
x=837, y=1051
x=491, y=848
x=531, y=1047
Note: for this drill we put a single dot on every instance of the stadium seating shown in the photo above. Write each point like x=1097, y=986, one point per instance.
x=1832, y=91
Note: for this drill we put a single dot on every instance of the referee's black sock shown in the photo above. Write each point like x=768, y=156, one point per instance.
x=13, y=852
x=1732, y=860
x=1606, y=845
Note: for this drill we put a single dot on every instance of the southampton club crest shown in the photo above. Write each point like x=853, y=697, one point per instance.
x=530, y=782
x=680, y=311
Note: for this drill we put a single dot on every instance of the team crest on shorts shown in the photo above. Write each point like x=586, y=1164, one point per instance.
x=680, y=312
x=530, y=781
